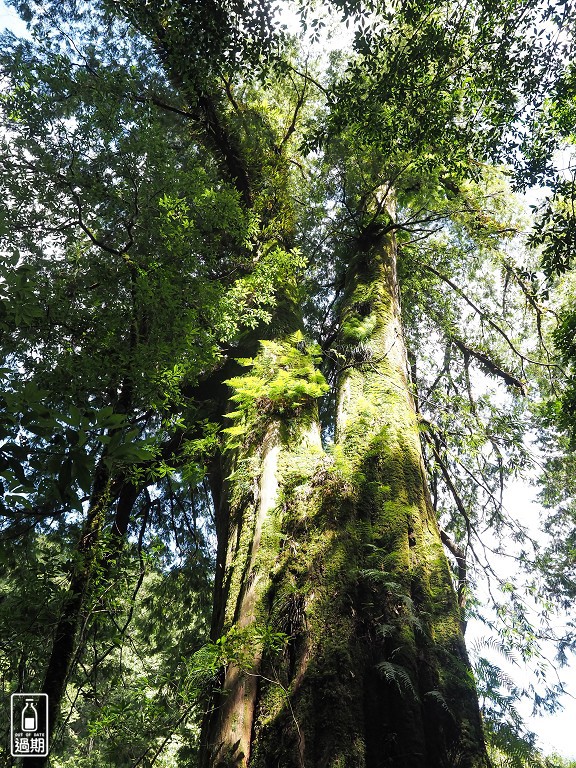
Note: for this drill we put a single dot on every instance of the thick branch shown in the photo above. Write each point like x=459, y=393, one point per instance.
x=225, y=144
x=460, y=557
x=484, y=315
x=294, y=121
x=487, y=363
x=219, y=137
x=448, y=480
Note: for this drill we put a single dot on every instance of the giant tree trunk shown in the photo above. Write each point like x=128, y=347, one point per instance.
x=353, y=569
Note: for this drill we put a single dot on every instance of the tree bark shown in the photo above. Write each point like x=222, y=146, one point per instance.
x=64, y=644
x=249, y=539
x=376, y=672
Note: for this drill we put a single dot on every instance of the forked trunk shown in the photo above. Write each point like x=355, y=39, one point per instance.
x=353, y=570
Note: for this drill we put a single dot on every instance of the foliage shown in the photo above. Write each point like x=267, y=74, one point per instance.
x=283, y=377
x=180, y=183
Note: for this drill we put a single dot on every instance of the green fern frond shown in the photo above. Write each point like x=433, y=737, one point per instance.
x=511, y=748
x=492, y=644
x=439, y=698
x=397, y=675
x=386, y=630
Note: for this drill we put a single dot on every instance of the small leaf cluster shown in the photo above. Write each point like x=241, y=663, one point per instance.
x=235, y=647
x=283, y=377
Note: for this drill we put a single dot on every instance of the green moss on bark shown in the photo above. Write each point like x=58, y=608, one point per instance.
x=375, y=672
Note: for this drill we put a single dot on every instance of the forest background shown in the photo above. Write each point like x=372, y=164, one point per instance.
x=167, y=557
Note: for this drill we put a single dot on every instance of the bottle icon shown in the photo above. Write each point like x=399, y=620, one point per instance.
x=29, y=716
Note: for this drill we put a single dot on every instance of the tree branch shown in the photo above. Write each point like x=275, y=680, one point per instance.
x=294, y=122
x=460, y=557
x=487, y=363
x=487, y=318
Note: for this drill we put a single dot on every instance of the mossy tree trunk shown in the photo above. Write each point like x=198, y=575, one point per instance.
x=342, y=552
x=249, y=516
x=394, y=687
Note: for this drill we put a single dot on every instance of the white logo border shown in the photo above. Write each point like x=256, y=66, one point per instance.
x=20, y=754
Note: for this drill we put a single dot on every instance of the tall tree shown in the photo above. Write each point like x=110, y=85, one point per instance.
x=180, y=174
